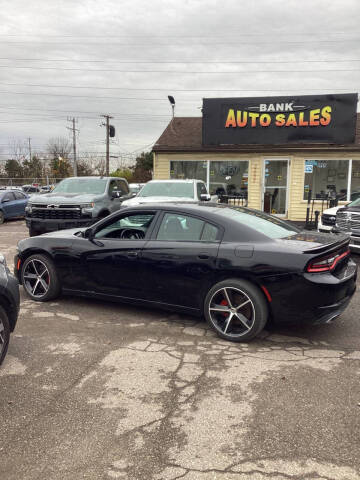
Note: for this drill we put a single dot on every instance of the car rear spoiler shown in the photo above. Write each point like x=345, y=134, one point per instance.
x=329, y=247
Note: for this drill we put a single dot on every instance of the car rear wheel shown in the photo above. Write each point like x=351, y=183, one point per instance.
x=236, y=310
x=40, y=279
x=4, y=334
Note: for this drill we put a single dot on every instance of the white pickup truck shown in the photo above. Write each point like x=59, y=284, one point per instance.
x=157, y=191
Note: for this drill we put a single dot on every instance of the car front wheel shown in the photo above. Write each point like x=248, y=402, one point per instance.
x=4, y=334
x=236, y=309
x=40, y=279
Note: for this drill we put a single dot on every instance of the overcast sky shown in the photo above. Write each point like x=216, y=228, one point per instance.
x=86, y=58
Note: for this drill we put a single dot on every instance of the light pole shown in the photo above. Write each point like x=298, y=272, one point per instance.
x=172, y=103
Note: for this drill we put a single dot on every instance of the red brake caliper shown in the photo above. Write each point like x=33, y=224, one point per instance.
x=225, y=304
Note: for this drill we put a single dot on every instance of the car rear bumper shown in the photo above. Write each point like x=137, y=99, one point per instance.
x=312, y=297
x=51, y=225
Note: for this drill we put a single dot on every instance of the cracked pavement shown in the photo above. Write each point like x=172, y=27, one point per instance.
x=99, y=390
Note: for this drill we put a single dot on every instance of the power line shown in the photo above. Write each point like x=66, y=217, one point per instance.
x=167, y=89
x=172, y=35
x=166, y=44
x=182, y=72
x=176, y=62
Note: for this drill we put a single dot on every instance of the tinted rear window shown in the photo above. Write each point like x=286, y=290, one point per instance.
x=272, y=227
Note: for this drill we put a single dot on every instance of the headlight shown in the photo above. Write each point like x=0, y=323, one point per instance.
x=87, y=205
x=28, y=207
x=2, y=259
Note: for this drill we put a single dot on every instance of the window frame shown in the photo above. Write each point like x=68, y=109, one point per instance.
x=159, y=221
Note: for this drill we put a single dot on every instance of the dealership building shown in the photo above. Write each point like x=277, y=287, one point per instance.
x=272, y=151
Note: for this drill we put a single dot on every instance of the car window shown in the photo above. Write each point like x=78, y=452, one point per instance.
x=168, y=189
x=129, y=227
x=8, y=197
x=19, y=196
x=175, y=227
x=201, y=189
x=268, y=225
x=122, y=187
x=210, y=233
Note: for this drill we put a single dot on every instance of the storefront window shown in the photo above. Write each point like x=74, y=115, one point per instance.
x=188, y=169
x=229, y=178
x=327, y=177
x=226, y=178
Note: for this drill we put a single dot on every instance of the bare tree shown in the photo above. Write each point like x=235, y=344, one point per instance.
x=17, y=150
x=59, y=147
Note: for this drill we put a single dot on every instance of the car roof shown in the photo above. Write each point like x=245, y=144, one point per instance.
x=185, y=180
x=209, y=212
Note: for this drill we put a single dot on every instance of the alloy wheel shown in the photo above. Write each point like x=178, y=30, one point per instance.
x=36, y=278
x=232, y=311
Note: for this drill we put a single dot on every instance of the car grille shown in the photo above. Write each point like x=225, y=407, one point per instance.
x=59, y=212
x=348, y=221
x=328, y=220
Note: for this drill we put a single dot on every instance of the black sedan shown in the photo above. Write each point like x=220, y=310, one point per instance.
x=9, y=306
x=237, y=267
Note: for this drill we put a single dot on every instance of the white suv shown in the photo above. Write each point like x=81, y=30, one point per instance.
x=157, y=191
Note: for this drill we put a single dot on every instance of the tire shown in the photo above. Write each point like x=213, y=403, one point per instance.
x=222, y=312
x=39, y=278
x=2, y=217
x=4, y=334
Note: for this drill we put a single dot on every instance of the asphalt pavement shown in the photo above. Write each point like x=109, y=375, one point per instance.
x=100, y=390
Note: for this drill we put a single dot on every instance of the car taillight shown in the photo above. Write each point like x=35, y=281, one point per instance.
x=327, y=263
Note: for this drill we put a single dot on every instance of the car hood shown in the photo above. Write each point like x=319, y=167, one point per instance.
x=68, y=233
x=312, y=242
x=350, y=209
x=57, y=198
x=139, y=200
x=331, y=211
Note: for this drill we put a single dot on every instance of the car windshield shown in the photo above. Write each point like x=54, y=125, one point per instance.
x=355, y=203
x=168, y=189
x=270, y=226
x=81, y=185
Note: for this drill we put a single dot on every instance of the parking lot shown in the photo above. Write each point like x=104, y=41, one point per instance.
x=100, y=391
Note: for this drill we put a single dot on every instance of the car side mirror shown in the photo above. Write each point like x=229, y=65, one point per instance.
x=5, y=200
x=205, y=197
x=115, y=194
x=133, y=194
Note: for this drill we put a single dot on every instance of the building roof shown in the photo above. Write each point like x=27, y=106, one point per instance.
x=184, y=134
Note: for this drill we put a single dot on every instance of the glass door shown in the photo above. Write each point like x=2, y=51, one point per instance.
x=275, y=187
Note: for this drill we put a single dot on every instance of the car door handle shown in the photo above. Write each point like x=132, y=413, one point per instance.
x=132, y=254
x=203, y=256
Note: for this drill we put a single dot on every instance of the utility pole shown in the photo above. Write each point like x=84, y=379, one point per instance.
x=74, y=130
x=107, y=125
x=29, y=139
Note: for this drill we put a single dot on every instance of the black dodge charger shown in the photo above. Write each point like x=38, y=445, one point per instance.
x=237, y=267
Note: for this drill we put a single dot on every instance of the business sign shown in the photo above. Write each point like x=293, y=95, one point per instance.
x=280, y=120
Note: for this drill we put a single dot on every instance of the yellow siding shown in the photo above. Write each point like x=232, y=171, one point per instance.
x=296, y=204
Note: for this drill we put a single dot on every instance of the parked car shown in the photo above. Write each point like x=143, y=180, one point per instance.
x=237, y=267
x=9, y=306
x=170, y=191
x=75, y=202
x=12, y=204
x=327, y=219
x=47, y=188
x=136, y=187
x=348, y=222
x=30, y=189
